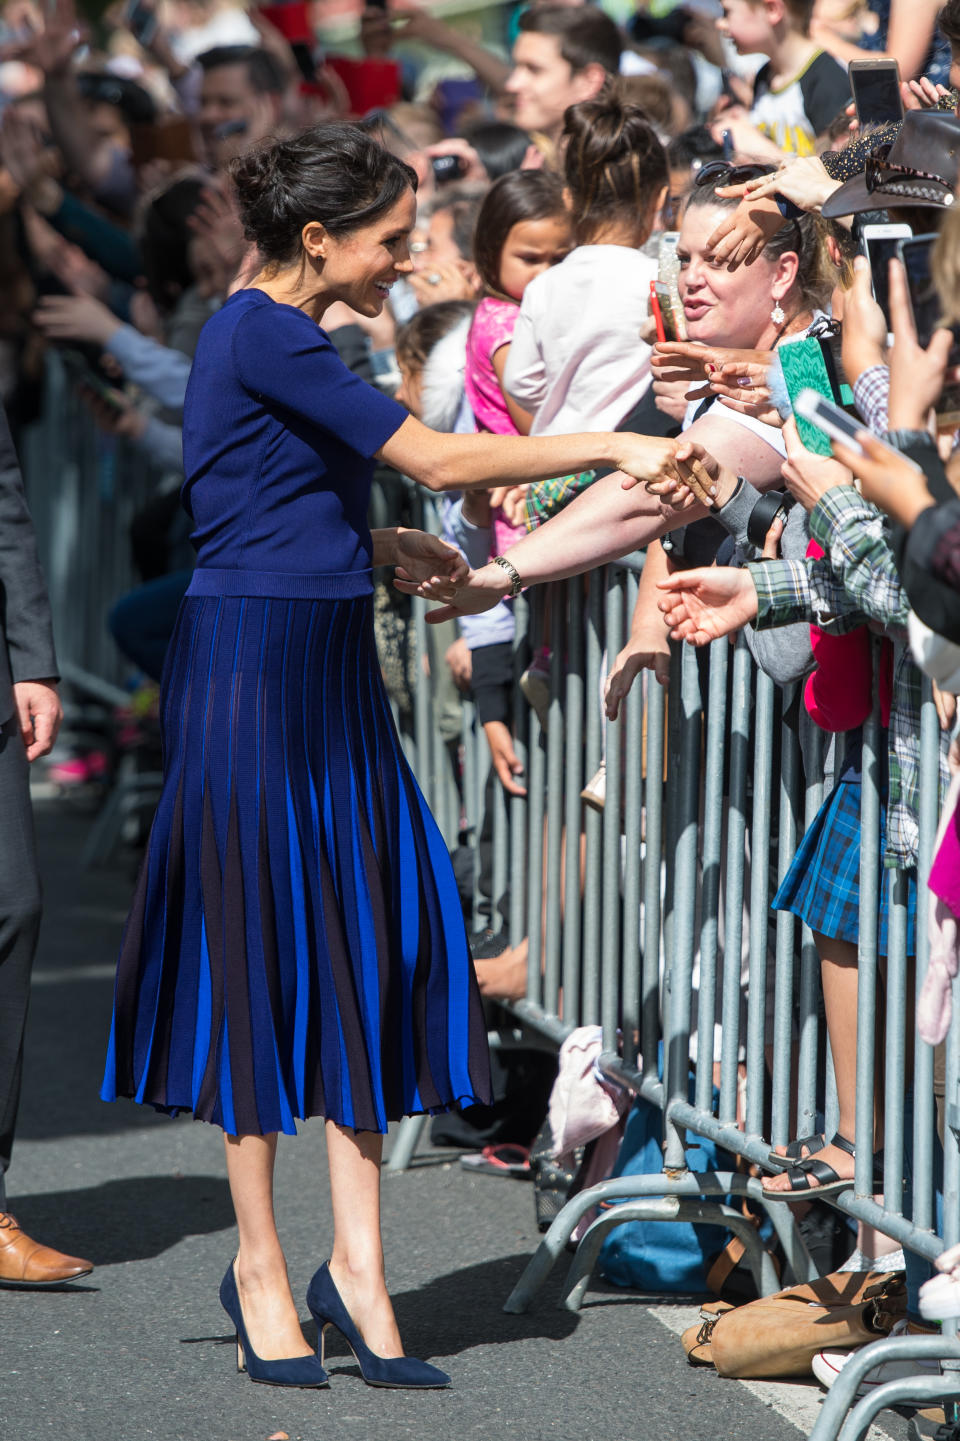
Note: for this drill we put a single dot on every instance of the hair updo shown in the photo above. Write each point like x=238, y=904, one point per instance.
x=614, y=164
x=332, y=173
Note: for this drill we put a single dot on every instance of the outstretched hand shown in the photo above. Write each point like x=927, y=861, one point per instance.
x=701, y=605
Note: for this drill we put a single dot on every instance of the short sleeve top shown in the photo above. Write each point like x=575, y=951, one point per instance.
x=491, y=328
x=278, y=440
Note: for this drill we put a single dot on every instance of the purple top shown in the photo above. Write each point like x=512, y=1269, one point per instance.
x=278, y=440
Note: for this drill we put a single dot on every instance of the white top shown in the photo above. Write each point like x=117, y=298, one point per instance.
x=576, y=359
x=771, y=434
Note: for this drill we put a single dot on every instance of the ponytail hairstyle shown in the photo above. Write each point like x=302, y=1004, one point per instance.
x=614, y=166
x=334, y=173
x=521, y=195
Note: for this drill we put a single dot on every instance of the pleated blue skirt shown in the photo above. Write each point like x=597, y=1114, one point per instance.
x=296, y=945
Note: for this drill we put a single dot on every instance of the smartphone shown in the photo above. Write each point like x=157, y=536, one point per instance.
x=876, y=91
x=668, y=308
x=805, y=371
x=879, y=245
x=81, y=372
x=916, y=256
x=839, y=425
x=141, y=21
x=668, y=275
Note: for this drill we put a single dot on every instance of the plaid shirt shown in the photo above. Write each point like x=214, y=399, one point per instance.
x=545, y=497
x=857, y=583
x=871, y=392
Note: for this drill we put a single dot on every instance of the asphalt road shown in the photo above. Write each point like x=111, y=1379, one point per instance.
x=143, y=1349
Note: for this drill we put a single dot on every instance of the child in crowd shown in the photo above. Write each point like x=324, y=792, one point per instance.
x=801, y=89
x=577, y=361
x=522, y=230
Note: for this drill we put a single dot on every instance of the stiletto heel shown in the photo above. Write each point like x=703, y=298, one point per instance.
x=294, y=1371
x=327, y=1309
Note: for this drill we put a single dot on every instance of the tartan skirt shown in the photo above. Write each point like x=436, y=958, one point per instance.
x=822, y=886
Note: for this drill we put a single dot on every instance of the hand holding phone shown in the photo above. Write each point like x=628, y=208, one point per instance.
x=840, y=426
x=922, y=372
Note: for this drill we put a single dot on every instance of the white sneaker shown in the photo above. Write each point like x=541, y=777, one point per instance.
x=827, y=1365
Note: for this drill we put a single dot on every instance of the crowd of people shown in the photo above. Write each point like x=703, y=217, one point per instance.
x=623, y=247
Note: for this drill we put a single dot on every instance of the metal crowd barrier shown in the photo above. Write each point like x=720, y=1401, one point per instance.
x=632, y=914
x=83, y=490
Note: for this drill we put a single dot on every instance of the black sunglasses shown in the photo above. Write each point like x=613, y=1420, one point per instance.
x=722, y=172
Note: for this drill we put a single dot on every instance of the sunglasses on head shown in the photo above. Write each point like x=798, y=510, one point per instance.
x=723, y=172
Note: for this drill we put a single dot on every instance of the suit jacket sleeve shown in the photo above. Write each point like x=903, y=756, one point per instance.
x=26, y=632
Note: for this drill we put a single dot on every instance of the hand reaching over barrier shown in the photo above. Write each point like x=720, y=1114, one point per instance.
x=701, y=605
x=809, y=476
x=892, y=483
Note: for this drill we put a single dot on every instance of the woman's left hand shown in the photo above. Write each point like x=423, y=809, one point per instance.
x=809, y=476
x=479, y=590
x=891, y=482
x=424, y=559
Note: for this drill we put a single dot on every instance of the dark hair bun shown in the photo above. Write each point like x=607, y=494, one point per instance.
x=613, y=162
x=334, y=173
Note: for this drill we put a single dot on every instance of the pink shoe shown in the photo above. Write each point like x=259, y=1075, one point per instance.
x=80, y=770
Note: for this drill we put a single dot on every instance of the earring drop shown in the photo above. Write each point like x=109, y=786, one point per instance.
x=778, y=314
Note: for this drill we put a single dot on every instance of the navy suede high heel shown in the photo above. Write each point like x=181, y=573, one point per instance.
x=295, y=1371
x=328, y=1309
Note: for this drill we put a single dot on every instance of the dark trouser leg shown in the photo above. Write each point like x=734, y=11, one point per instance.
x=19, y=924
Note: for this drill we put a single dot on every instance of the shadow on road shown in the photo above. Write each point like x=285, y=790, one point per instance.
x=128, y=1219
x=464, y=1308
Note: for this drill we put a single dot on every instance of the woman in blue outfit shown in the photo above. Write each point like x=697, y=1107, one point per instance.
x=296, y=946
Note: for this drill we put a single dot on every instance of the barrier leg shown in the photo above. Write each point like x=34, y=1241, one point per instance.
x=666, y=1208
x=409, y=1133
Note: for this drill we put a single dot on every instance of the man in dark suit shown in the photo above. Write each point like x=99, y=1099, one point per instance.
x=30, y=715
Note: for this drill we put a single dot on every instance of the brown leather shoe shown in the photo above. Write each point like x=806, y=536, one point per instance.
x=26, y=1263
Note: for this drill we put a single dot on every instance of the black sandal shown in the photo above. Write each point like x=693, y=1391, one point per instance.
x=828, y=1182
x=797, y=1150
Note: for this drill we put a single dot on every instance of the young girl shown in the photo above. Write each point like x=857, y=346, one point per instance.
x=522, y=230
x=577, y=358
